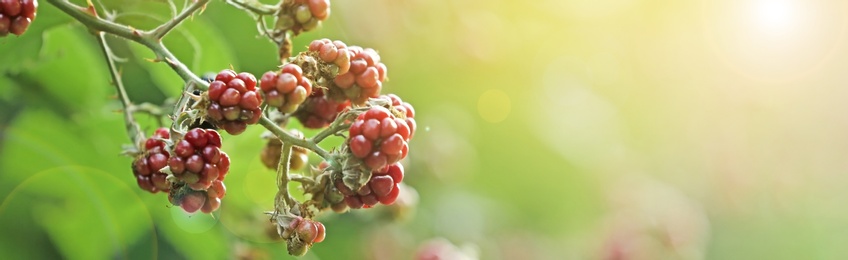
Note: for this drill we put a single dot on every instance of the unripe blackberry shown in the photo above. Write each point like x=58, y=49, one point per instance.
x=191, y=200
x=363, y=80
x=270, y=155
x=302, y=15
x=319, y=111
x=382, y=187
x=147, y=166
x=301, y=233
x=286, y=89
x=402, y=110
x=233, y=101
x=16, y=15
x=378, y=138
x=198, y=160
x=332, y=52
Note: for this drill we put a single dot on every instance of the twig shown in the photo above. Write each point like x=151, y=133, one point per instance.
x=162, y=30
x=133, y=129
x=287, y=138
x=144, y=38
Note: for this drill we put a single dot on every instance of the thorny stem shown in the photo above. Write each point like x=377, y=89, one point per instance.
x=142, y=37
x=152, y=40
x=283, y=198
x=133, y=129
x=165, y=28
x=254, y=6
x=287, y=138
x=301, y=179
x=337, y=125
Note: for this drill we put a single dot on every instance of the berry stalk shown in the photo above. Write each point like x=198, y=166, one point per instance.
x=88, y=17
x=133, y=129
x=287, y=138
x=283, y=200
x=162, y=30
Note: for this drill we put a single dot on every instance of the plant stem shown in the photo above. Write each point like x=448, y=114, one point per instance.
x=287, y=138
x=334, y=128
x=301, y=179
x=164, y=29
x=133, y=129
x=283, y=198
x=254, y=6
x=144, y=38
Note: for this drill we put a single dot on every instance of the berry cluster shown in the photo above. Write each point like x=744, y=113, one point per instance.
x=332, y=52
x=379, y=138
x=270, y=155
x=303, y=15
x=318, y=111
x=147, y=166
x=16, y=15
x=382, y=187
x=363, y=80
x=192, y=200
x=234, y=103
x=286, y=89
x=402, y=110
x=198, y=160
x=301, y=233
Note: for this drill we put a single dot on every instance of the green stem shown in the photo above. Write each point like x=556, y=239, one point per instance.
x=283, y=198
x=287, y=138
x=254, y=6
x=301, y=179
x=162, y=30
x=337, y=125
x=144, y=38
x=133, y=129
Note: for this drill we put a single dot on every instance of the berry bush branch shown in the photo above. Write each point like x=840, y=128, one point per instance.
x=283, y=200
x=88, y=17
x=287, y=138
x=164, y=29
x=330, y=86
x=133, y=129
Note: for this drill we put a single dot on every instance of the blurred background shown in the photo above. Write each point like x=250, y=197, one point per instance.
x=606, y=129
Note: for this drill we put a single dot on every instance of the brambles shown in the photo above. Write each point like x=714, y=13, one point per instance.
x=148, y=165
x=382, y=187
x=379, y=138
x=331, y=87
x=285, y=89
x=234, y=103
x=16, y=16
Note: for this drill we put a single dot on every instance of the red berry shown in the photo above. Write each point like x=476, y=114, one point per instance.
x=192, y=201
x=5, y=24
x=391, y=197
x=360, y=146
x=248, y=79
x=147, y=166
x=211, y=204
x=225, y=75
x=321, y=233
x=381, y=185
x=11, y=8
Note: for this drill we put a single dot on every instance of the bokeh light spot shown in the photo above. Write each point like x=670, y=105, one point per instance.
x=494, y=105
